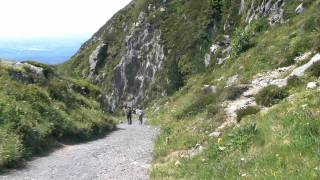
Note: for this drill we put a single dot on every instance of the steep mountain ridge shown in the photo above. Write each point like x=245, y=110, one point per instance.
x=150, y=48
x=226, y=95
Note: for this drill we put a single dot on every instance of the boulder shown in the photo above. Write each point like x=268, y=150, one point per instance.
x=300, y=71
x=300, y=9
x=215, y=134
x=207, y=60
x=210, y=89
x=214, y=48
x=312, y=85
x=177, y=163
x=303, y=57
x=232, y=81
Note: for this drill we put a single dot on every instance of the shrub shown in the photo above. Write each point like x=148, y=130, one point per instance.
x=233, y=92
x=11, y=148
x=259, y=25
x=199, y=104
x=271, y=95
x=242, y=137
x=314, y=70
x=48, y=70
x=212, y=110
x=216, y=6
x=312, y=24
x=294, y=80
x=241, y=41
x=247, y=111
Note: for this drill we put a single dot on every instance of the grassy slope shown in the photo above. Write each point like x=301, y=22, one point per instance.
x=282, y=143
x=36, y=112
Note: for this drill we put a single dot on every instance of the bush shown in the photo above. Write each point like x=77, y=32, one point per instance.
x=199, y=104
x=212, y=110
x=242, y=138
x=247, y=111
x=259, y=25
x=233, y=92
x=314, y=70
x=48, y=70
x=216, y=6
x=241, y=41
x=271, y=95
x=11, y=148
x=312, y=24
x=294, y=80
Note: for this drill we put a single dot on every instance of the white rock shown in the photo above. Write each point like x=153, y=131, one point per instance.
x=214, y=48
x=244, y=175
x=312, y=85
x=302, y=69
x=303, y=57
x=178, y=163
x=232, y=80
x=162, y=9
x=299, y=9
x=215, y=134
x=213, y=89
x=222, y=60
x=207, y=60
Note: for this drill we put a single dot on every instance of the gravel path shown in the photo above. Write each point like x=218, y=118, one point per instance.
x=124, y=154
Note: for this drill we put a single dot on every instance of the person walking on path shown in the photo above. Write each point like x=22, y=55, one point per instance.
x=129, y=115
x=140, y=113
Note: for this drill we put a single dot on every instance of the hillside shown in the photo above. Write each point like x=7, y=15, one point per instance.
x=234, y=85
x=39, y=109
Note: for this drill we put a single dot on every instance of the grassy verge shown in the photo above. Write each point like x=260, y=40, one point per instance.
x=36, y=111
x=281, y=143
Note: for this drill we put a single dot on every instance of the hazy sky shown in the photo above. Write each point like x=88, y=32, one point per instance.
x=52, y=18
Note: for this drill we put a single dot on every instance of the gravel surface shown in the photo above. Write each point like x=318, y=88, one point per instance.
x=125, y=153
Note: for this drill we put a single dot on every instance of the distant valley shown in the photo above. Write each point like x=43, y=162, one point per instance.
x=51, y=51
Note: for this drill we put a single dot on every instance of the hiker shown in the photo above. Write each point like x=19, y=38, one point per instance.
x=140, y=113
x=129, y=115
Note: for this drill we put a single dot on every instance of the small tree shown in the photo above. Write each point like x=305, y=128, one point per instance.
x=240, y=42
x=216, y=6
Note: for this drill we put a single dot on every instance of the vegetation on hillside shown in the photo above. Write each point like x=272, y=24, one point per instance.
x=276, y=139
x=278, y=142
x=37, y=111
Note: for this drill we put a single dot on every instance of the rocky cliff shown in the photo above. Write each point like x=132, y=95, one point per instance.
x=150, y=48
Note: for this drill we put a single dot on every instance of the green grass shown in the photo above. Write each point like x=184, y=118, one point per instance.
x=271, y=95
x=35, y=113
x=281, y=143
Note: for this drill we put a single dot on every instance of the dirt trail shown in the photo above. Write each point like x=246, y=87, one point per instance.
x=124, y=154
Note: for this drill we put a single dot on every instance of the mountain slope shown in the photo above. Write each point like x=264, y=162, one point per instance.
x=225, y=80
x=235, y=122
x=150, y=48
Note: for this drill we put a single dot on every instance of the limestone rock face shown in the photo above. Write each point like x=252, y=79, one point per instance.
x=25, y=72
x=273, y=10
x=149, y=48
x=96, y=58
x=312, y=85
x=299, y=9
x=143, y=58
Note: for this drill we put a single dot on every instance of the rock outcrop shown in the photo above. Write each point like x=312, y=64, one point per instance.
x=273, y=10
x=137, y=52
x=143, y=58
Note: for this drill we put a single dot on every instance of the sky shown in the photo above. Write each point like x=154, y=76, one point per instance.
x=55, y=18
